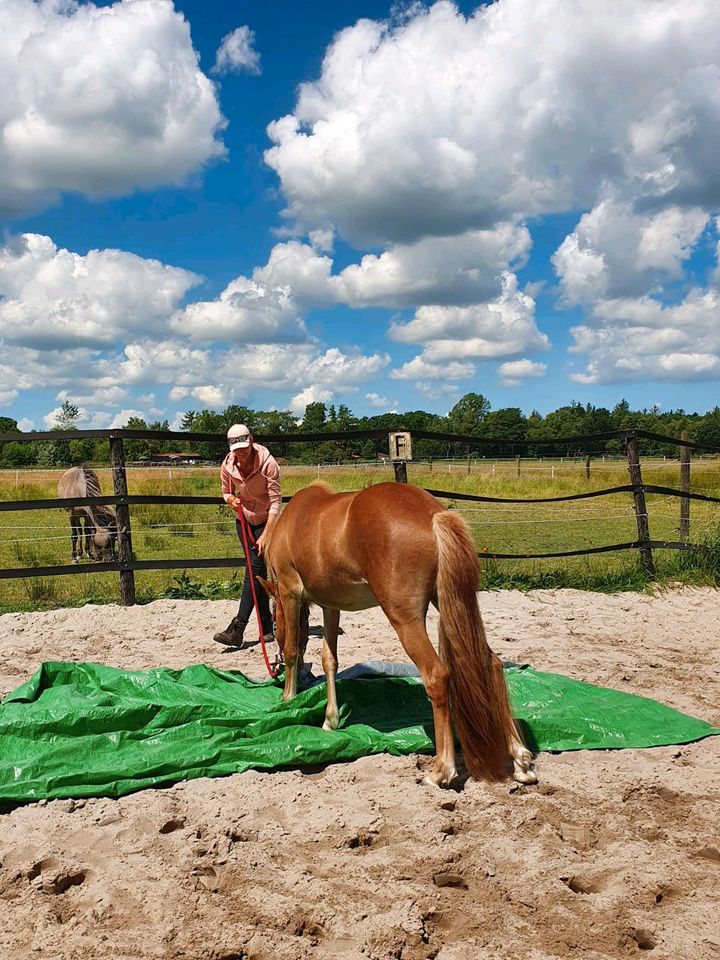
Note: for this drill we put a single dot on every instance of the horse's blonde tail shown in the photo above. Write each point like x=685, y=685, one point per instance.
x=478, y=694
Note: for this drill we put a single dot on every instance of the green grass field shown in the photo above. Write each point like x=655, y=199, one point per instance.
x=41, y=538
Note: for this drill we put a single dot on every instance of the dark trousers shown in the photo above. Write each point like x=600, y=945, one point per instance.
x=255, y=562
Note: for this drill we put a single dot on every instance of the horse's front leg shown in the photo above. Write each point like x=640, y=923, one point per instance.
x=331, y=623
x=76, y=533
x=89, y=533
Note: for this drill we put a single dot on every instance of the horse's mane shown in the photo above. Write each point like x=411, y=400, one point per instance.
x=103, y=514
x=323, y=484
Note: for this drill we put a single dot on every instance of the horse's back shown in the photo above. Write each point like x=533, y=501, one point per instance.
x=358, y=521
x=354, y=547
x=72, y=483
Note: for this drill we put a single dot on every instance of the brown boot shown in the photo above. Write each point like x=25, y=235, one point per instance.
x=233, y=635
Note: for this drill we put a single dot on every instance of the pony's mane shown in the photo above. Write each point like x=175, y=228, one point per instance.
x=323, y=484
x=103, y=514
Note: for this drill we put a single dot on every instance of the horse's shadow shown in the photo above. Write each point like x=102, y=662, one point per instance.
x=317, y=631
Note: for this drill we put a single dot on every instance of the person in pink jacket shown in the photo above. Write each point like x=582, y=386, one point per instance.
x=250, y=481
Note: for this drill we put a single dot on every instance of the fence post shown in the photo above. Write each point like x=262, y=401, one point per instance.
x=518, y=466
x=685, y=487
x=400, y=447
x=587, y=468
x=127, y=577
x=643, y=527
x=400, y=468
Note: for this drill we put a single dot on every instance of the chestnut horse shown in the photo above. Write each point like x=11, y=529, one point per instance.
x=396, y=546
x=99, y=520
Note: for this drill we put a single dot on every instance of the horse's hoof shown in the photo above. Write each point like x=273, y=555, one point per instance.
x=74, y=560
x=440, y=780
x=525, y=776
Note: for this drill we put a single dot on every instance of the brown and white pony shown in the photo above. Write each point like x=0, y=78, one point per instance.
x=98, y=520
x=396, y=546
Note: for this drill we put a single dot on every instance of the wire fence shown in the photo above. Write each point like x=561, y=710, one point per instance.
x=518, y=526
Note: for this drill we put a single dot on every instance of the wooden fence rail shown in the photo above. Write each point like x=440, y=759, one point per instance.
x=400, y=444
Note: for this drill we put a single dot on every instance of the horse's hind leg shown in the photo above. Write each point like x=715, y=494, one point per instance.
x=436, y=678
x=521, y=757
x=331, y=622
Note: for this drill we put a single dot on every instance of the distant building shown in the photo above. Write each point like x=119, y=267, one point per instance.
x=176, y=457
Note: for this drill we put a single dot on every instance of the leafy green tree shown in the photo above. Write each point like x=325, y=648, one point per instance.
x=67, y=417
x=208, y=421
x=508, y=423
x=274, y=421
x=18, y=454
x=468, y=414
x=345, y=419
x=49, y=454
x=137, y=449
x=99, y=451
x=236, y=413
x=708, y=431
x=597, y=420
x=566, y=421
x=79, y=451
x=8, y=425
x=315, y=417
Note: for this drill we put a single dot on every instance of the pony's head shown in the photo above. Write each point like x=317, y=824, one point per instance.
x=279, y=621
x=104, y=540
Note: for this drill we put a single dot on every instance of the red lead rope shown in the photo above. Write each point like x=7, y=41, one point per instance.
x=272, y=668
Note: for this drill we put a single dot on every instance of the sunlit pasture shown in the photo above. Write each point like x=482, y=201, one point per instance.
x=187, y=531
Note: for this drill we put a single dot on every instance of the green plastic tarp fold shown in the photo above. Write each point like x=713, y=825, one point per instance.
x=80, y=729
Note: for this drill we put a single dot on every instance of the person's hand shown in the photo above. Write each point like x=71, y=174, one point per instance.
x=261, y=542
x=233, y=502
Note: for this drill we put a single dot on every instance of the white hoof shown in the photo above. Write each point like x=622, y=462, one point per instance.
x=525, y=776
x=440, y=780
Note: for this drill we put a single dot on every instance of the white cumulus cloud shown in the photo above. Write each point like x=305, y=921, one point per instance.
x=442, y=123
x=628, y=340
x=237, y=53
x=616, y=252
x=436, y=270
x=487, y=331
x=514, y=372
x=99, y=100
x=53, y=298
x=310, y=394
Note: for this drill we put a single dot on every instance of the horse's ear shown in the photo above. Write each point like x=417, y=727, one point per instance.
x=269, y=587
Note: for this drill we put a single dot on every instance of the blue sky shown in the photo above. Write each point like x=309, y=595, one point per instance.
x=381, y=206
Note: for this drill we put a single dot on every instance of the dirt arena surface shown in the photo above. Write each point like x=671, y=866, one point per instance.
x=613, y=854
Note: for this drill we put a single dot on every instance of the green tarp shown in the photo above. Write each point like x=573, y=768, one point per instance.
x=79, y=729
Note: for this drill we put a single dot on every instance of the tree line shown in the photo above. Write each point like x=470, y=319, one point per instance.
x=472, y=416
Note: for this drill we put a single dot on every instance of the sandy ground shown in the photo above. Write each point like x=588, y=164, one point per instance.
x=613, y=853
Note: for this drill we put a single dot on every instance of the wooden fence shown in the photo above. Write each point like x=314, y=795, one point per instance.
x=400, y=445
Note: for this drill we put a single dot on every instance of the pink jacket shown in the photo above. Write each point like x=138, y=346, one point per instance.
x=259, y=491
